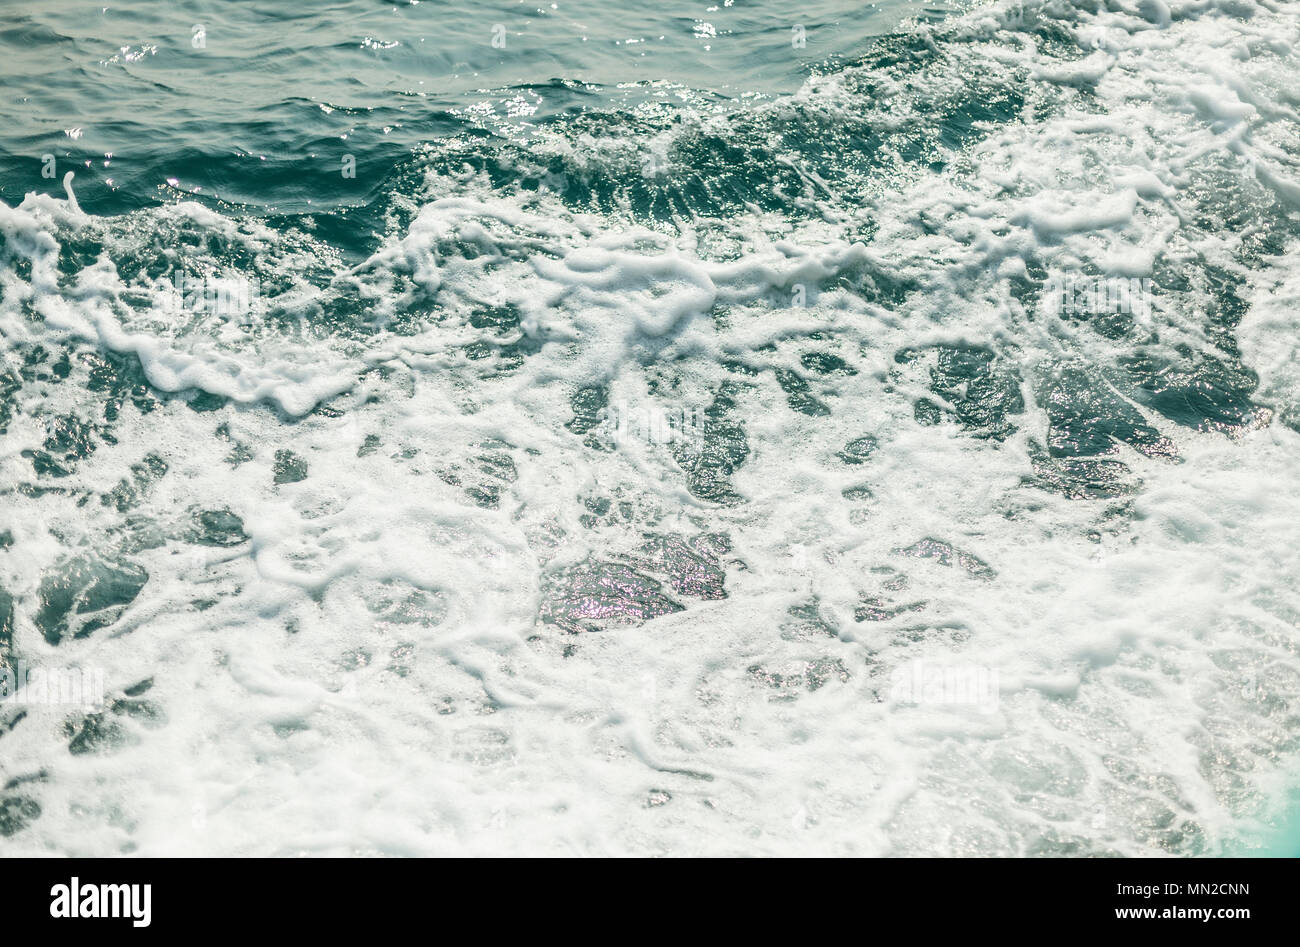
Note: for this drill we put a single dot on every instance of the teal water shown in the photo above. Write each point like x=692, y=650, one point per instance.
x=650, y=431
x=263, y=111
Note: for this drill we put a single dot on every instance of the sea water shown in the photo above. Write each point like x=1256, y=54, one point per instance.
x=706, y=428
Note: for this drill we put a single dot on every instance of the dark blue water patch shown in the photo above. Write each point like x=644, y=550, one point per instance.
x=487, y=477
x=23, y=31
x=799, y=395
x=69, y=440
x=86, y=593
x=129, y=492
x=296, y=160
x=979, y=389
x=589, y=405
x=226, y=181
x=708, y=461
x=1080, y=478
x=803, y=675
x=110, y=379
x=946, y=554
x=872, y=608
x=807, y=620
x=6, y=628
x=97, y=733
x=1196, y=390
x=220, y=528
x=289, y=467
x=596, y=595
x=858, y=450
x=17, y=812
x=691, y=565
x=1088, y=418
x=826, y=363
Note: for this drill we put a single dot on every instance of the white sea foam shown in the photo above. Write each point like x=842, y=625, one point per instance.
x=367, y=674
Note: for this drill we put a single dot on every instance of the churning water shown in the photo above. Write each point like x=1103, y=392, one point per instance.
x=723, y=427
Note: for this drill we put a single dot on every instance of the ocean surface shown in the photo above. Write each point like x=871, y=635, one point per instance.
x=728, y=428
